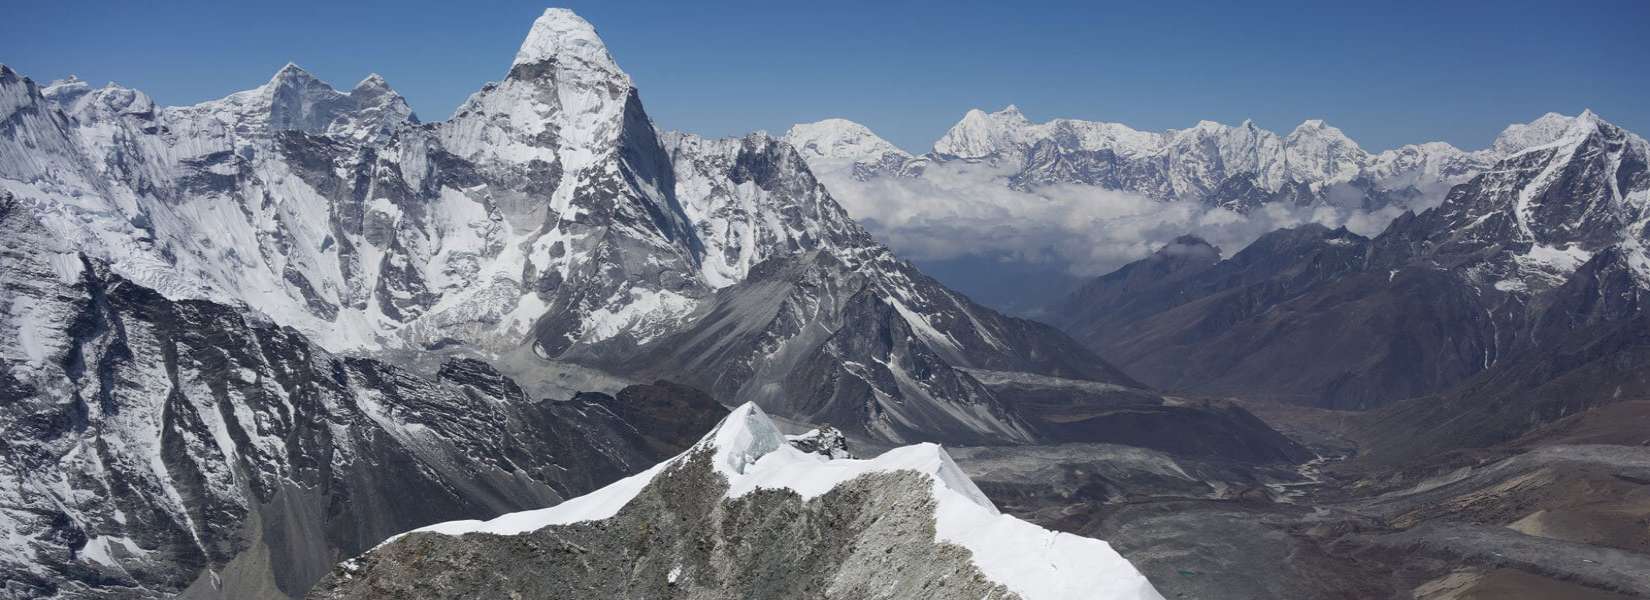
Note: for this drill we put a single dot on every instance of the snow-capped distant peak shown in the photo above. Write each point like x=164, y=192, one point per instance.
x=1547, y=129
x=840, y=139
x=1319, y=152
x=63, y=93
x=1317, y=128
x=373, y=81
x=980, y=134
x=294, y=99
x=290, y=72
x=374, y=90
x=569, y=39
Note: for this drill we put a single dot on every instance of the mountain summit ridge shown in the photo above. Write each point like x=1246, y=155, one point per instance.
x=739, y=468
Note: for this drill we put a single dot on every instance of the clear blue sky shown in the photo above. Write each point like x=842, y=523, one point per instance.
x=1387, y=73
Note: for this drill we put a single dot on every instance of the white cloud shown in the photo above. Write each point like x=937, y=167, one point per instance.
x=957, y=209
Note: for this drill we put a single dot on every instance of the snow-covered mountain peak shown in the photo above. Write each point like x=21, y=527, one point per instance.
x=113, y=99
x=373, y=81
x=1310, y=125
x=841, y=140
x=1585, y=124
x=375, y=92
x=292, y=99
x=378, y=111
x=743, y=437
x=1555, y=129
x=1318, y=152
x=296, y=100
x=979, y=134
x=14, y=91
x=1437, y=147
x=564, y=36
x=1317, y=129
x=291, y=72
x=64, y=92
x=1545, y=130
x=565, y=100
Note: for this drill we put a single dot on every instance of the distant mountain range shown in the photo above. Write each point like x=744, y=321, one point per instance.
x=1045, y=204
x=1239, y=168
x=1517, y=300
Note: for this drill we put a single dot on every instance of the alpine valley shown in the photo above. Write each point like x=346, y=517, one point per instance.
x=297, y=342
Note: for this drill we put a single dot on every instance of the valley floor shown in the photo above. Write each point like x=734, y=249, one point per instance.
x=1555, y=515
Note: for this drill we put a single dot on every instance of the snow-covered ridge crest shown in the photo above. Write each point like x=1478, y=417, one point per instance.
x=295, y=100
x=840, y=139
x=1549, y=128
x=749, y=451
x=1238, y=168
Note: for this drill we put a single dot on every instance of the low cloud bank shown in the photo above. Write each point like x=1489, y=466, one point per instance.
x=958, y=210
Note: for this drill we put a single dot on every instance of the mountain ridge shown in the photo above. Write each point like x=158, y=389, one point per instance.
x=1454, y=291
x=745, y=461
x=1198, y=163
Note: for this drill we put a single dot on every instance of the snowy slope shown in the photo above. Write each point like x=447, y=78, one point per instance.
x=748, y=455
x=840, y=139
x=840, y=144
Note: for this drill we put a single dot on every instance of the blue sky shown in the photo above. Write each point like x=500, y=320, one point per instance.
x=1388, y=73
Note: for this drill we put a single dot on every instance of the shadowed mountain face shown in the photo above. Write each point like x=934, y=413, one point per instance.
x=1588, y=349
x=1515, y=302
x=1297, y=316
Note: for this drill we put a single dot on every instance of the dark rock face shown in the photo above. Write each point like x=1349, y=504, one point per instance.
x=1588, y=349
x=872, y=537
x=1137, y=290
x=669, y=416
x=1075, y=411
x=825, y=441
x=1350, y=336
